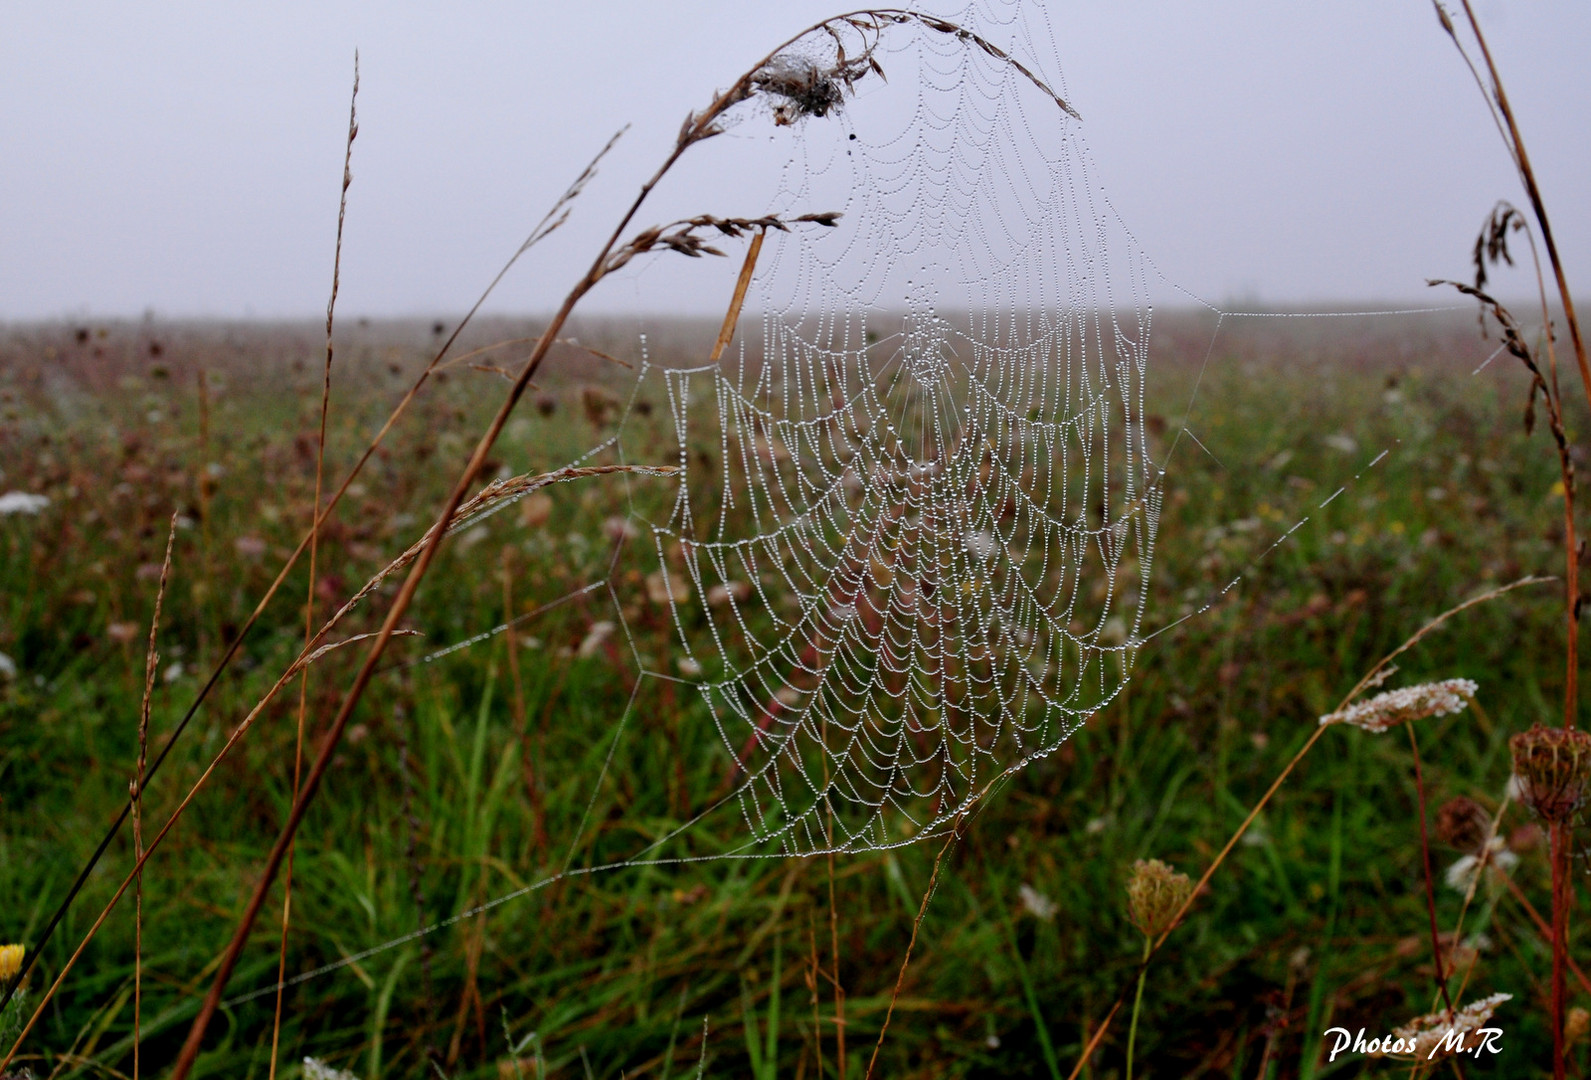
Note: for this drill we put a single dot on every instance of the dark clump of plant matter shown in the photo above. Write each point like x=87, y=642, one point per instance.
x=804, y=87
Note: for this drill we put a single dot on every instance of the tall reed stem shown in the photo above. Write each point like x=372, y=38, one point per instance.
x=1527, y=176
x=1560, y=933
x=314, y=553
x=1497, y=96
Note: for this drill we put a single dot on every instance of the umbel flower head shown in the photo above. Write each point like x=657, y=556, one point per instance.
x=1155, y=893
x=1407, y=703
x=10, y=961
x=315, y=1069
x=1429, y=1033
x=1553, y=766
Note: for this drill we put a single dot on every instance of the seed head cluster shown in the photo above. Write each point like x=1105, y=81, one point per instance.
x=1155, y=893
x=1388, y=710
x=1554, y=769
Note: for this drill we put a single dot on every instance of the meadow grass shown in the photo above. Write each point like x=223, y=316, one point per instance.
x=459, y=782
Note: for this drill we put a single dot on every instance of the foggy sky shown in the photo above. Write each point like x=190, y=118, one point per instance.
x=184, y=158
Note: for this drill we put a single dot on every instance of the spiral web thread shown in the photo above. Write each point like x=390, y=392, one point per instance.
x=918, y=557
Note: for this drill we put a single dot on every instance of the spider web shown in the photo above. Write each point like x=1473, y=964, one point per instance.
x=915, y=518
x=918, y=557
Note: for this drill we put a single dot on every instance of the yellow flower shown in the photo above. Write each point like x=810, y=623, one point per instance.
x=10, y=961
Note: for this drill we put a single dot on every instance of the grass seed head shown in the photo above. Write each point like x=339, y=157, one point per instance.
x=1386, y=711
x=1553, y=766
x=1155, y=893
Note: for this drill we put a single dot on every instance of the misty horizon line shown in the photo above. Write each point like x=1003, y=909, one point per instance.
x=1438, y=302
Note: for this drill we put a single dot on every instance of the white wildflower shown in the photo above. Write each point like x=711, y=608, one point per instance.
x=315, y=1069
x=1424, y=1036
x=1498, y=860
x=619, y=529
x=981, y=544
x=249, y=547
x=728, y=593
x=1514, y=790
x=661, y=588
x=1037, y=904
x=8, y=667
x=595, y=637
x=1404, y=704
x=21, y=502
x=472, y=537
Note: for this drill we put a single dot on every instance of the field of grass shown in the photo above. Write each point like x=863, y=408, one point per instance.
x=478, y=774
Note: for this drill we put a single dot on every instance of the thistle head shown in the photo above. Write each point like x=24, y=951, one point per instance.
x=1554, y=767
x=1155, y=893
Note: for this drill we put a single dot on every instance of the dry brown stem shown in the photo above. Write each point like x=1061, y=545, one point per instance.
x=314, y=550
x=1497, y=98
x=900, y=977
x=151, y=664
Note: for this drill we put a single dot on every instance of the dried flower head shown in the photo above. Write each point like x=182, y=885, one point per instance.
x=10, y=961
x=1576, y=1023
x=1407, y=703
x=804, y=87
x=1155, y=893
x=1430, y=1034
x=1552, y=766
x=1464, y=823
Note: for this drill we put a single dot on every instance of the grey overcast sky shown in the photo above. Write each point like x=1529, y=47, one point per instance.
x=184, y=157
